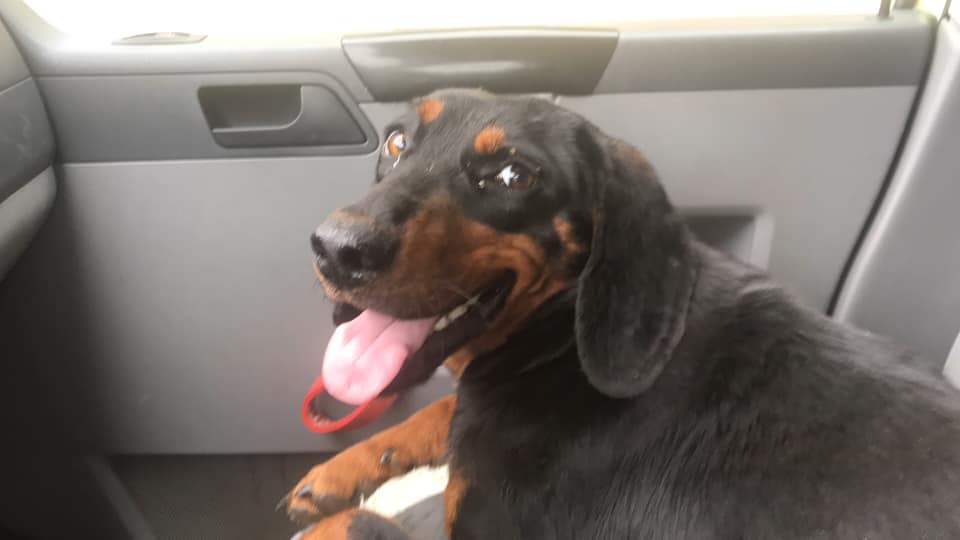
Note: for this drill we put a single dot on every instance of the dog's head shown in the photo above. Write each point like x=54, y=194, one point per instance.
x=485, y=207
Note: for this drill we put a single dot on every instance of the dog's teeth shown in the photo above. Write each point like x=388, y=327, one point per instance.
x=457, y=312
x=454, y=314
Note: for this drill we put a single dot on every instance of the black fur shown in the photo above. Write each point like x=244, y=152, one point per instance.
x=768, y=421
x=635, y=289
x=743, y=414
x=674, y=392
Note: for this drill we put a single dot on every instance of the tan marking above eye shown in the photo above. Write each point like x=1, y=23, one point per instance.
x=429, y=109
x=489, y=140
x=395, y=144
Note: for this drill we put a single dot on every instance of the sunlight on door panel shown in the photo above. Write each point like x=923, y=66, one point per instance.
x=108, y=19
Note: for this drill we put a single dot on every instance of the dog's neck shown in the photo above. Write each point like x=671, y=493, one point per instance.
x=547, y=336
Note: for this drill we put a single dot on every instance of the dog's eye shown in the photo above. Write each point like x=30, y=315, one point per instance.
x=512, y=176
x=395, y=144
x=515, y=176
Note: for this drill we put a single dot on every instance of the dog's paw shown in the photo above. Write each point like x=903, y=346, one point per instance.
x=339, y=484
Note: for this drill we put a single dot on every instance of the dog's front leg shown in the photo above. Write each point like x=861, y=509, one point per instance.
x=339, y=484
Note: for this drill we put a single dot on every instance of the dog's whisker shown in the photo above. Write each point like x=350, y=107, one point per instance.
x=457, y=290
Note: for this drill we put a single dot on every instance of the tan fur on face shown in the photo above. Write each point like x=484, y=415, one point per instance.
x=568, y=240
x=429, y=109
x=489, y=140
x=444, y=258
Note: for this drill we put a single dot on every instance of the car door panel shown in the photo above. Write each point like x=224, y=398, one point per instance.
x=910, y=255
x=776, y=52
x=400, y=66
x=161, y=117
x=811, y=161
x=199, y=297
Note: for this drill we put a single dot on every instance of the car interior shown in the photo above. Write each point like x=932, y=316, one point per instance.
x=159, y=316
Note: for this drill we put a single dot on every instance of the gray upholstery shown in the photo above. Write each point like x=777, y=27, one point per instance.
x=424, y=520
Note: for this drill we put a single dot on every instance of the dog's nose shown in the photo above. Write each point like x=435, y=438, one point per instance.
x=352, y=252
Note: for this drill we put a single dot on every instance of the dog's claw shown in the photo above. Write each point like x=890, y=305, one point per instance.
x=305, y=491
x=327, y=505
x=284, y=502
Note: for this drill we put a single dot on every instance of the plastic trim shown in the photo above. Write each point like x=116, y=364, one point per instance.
x=903, y=281
x=952, y=367
x=159, y=117
x=12, y=67
x=26, y=141
x=21, y=216
x=400, y=66
x=736, y=54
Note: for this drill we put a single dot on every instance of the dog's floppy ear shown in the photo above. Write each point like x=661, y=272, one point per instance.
x=636, y=285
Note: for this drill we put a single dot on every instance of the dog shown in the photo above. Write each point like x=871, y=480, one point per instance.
x=616, y=377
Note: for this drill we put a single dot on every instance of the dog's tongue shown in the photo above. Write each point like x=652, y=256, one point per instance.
x=365, y=354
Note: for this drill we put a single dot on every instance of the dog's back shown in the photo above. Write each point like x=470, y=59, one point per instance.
x=771, y=421
x=826, y=430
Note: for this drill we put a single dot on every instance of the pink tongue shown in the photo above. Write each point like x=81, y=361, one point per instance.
x=365, y=354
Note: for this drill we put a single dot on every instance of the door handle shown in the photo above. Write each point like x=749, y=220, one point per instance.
x=277, y=116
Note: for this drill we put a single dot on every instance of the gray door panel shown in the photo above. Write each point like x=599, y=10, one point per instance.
x=161, y=117
x=803, y=164
x=793, y=52
x=838, y=51
x=192, y=286
x=401, y=66
x=189, y=298
x=905, y=281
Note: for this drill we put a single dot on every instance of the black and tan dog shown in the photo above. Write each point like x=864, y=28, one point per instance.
x=617, y=379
